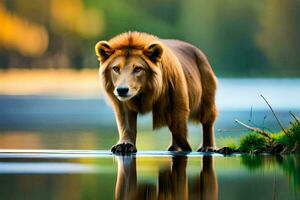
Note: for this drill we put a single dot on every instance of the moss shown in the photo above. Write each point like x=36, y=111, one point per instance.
x=253, y=142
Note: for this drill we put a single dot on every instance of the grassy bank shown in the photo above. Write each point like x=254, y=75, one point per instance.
x=285, y=141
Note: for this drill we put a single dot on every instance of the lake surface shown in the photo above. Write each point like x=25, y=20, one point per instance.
x=148, y=175
x=56, y=147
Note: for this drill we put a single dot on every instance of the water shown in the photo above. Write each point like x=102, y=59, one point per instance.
x=55, y=147
x=35, y=122
x=148, y=175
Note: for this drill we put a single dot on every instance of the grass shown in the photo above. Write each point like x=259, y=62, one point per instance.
x=286, y=141
x=294, y=134
x=254, y=142
x=228, y=142
x=291, y=138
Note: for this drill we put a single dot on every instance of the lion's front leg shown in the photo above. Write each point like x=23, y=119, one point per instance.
x=179, y=130
x=208, y=138
x=126, y=121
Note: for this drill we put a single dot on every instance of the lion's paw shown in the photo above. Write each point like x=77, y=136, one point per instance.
x=173, y=148
x=123, y=148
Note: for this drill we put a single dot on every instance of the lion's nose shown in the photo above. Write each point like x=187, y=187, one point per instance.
x=122, y=90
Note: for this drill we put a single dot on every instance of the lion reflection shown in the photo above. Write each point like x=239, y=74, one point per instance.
x=172, y=182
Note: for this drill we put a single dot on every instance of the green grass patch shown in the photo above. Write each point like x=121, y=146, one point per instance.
x=253, y=142
x=228, y=142
x=290, y=138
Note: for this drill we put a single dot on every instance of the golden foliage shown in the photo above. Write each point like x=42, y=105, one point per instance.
x=71, y=15
x=25, y=37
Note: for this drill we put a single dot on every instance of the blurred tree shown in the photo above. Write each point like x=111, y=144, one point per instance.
x=241, y=38
x=121, y=16
x=25, y=37
x=279, y=35
x=225, y=30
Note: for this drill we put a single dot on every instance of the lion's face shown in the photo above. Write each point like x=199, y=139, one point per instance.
x=128, y=75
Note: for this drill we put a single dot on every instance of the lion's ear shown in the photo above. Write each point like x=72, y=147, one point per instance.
x=154, y=52
x=103, y=50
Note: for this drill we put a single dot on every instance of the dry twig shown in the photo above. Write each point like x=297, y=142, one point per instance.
x=274, y=115
x=258, y=130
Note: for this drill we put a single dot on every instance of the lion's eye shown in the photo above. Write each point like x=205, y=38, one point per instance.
x=116, y=69
x=138, y=69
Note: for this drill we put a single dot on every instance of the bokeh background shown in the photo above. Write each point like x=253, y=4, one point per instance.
x=49, y=86
x=241, y=38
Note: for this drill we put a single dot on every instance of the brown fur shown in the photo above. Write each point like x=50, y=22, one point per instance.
x=176, y=84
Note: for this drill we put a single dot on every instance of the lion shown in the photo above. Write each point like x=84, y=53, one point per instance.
x=140, y=73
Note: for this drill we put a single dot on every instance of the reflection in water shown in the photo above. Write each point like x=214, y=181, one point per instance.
x=172, y=181
x=127, y=179
x=75, y=174
x=289, y=164
x=208, y=185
